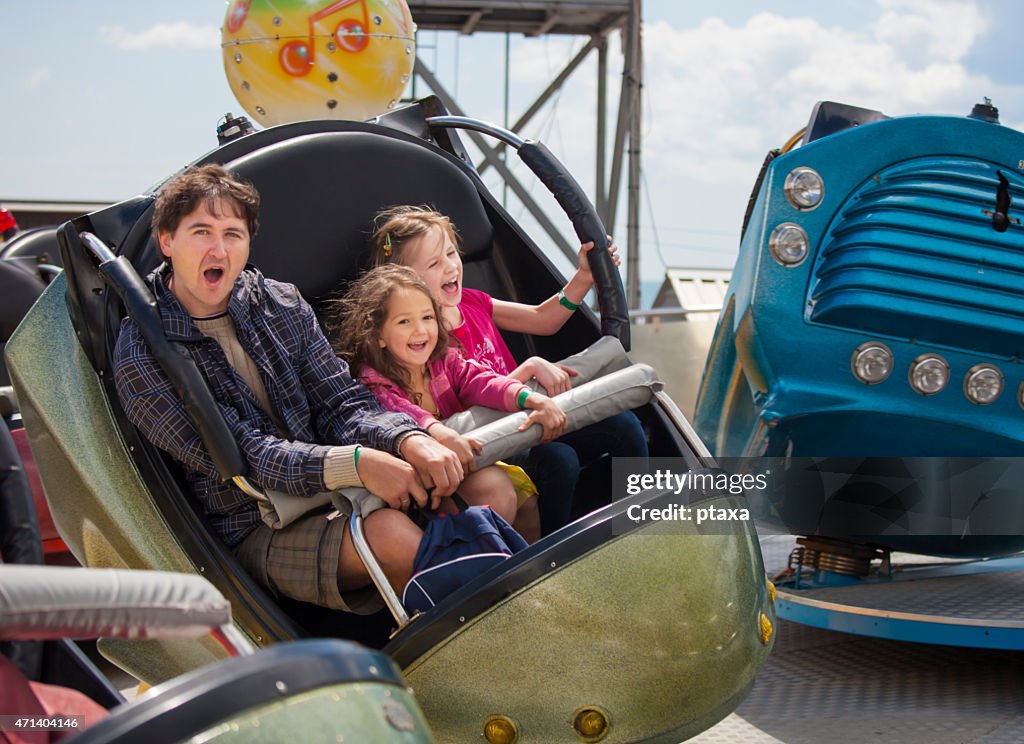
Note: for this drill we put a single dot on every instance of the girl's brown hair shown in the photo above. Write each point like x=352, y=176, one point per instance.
x=395, y=227
x=355, y=322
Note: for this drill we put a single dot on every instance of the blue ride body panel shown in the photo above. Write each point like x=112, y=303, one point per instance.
x=902, y=252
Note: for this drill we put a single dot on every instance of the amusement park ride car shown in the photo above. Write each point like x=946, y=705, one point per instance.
x=607, y=630
x=869, y=354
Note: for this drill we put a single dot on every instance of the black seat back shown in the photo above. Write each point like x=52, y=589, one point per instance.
x=320, y=193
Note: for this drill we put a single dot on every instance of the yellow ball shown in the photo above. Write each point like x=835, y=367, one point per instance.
x=293, y=60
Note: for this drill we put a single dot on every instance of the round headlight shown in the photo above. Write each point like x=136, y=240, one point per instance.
x=590, y=723
x=804, y=188
x=788, y=244
x=929, y=374
x=871, y=362
x=499, y=729
x=983, y=384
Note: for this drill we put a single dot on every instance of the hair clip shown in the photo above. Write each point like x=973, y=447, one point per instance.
x=387, y=245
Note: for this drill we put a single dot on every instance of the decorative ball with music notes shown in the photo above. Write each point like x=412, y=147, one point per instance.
x=293, y=60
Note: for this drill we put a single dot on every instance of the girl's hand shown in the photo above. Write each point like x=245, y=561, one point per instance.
x=554, y=377
x=588, y=247
x=545, y=412
x=465, y=449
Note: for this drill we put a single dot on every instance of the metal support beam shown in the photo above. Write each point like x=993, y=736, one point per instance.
x=553, y=88
x=493, y=158
x=547, y=25
x=598, y=20
x=471, y=23
x=633, y=183
x=626, y=97
x=628, y=129
x=600, y=194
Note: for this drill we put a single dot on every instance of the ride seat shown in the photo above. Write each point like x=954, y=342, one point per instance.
x=320, y=193
x=20, y=287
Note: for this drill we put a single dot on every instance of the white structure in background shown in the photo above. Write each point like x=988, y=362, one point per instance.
x=689, y=291
x=678, y=349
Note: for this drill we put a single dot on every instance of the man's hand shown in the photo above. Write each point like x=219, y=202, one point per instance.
x=554, y=377
x=545, y=412
x=435, y=464
x=465, y=449
x=394, y=480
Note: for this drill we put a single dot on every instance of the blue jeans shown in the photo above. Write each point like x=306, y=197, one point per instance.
x=555, y=466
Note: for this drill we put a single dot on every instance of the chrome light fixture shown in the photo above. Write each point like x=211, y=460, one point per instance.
x=929, y=374
x=788, y=244
x=983, y=384
x=804, y=188
x=871, y=362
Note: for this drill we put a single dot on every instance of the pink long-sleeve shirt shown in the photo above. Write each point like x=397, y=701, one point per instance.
x=480, y=338
x=455, y=384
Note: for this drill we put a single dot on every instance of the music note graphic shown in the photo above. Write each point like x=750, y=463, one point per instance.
x=297, y=57
x=238, y=14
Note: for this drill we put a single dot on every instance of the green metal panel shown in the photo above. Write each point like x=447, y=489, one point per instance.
x=340, y=713
x=662, y=631
x=99, y=503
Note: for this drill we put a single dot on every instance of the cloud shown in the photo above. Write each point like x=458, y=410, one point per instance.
x=721, y=95
x=36, y=77
x=718, y=95
x=181, y=35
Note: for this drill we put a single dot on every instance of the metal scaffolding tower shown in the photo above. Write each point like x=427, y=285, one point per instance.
x=596, y=19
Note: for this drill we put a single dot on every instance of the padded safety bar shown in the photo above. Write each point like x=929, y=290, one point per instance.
x=587, y=404
x=611, y=295
x=182, y=372
x=50, y=602
x=615, y=392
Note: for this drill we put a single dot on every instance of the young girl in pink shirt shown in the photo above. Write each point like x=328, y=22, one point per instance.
x=392, y=338
x=425, y=240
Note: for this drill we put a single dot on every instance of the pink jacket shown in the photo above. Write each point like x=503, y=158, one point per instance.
x=456, y=384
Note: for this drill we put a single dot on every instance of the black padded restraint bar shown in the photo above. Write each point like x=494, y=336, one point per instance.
x=567, y=192
x=182, y=372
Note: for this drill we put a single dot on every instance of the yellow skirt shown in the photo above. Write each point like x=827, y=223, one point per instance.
x=523, y=485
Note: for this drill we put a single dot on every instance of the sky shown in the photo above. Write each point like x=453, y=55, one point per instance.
x=104, y=99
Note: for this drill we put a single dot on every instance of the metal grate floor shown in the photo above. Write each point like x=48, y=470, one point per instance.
x=826, y=687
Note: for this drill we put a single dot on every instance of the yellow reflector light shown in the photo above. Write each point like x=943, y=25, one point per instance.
x=766, y=629
x=772, y=591
x=590, y=723
x=500, y=730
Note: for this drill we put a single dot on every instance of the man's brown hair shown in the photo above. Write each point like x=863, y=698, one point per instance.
x=212, y=184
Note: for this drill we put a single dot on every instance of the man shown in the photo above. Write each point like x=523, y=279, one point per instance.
x=302, y=423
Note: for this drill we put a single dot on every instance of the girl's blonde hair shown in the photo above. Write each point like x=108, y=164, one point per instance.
x=395, y=227
x=355, y=323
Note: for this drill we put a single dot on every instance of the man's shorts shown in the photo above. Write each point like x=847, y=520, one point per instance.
x=301, y=562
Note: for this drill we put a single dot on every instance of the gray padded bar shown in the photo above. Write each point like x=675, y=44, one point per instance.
x=49, y=602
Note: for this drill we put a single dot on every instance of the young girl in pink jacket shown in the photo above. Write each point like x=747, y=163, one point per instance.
x=392, y=337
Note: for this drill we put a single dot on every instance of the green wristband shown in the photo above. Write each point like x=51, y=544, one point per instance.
x=566, y=302
x=355, y=456
x=521, y=398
